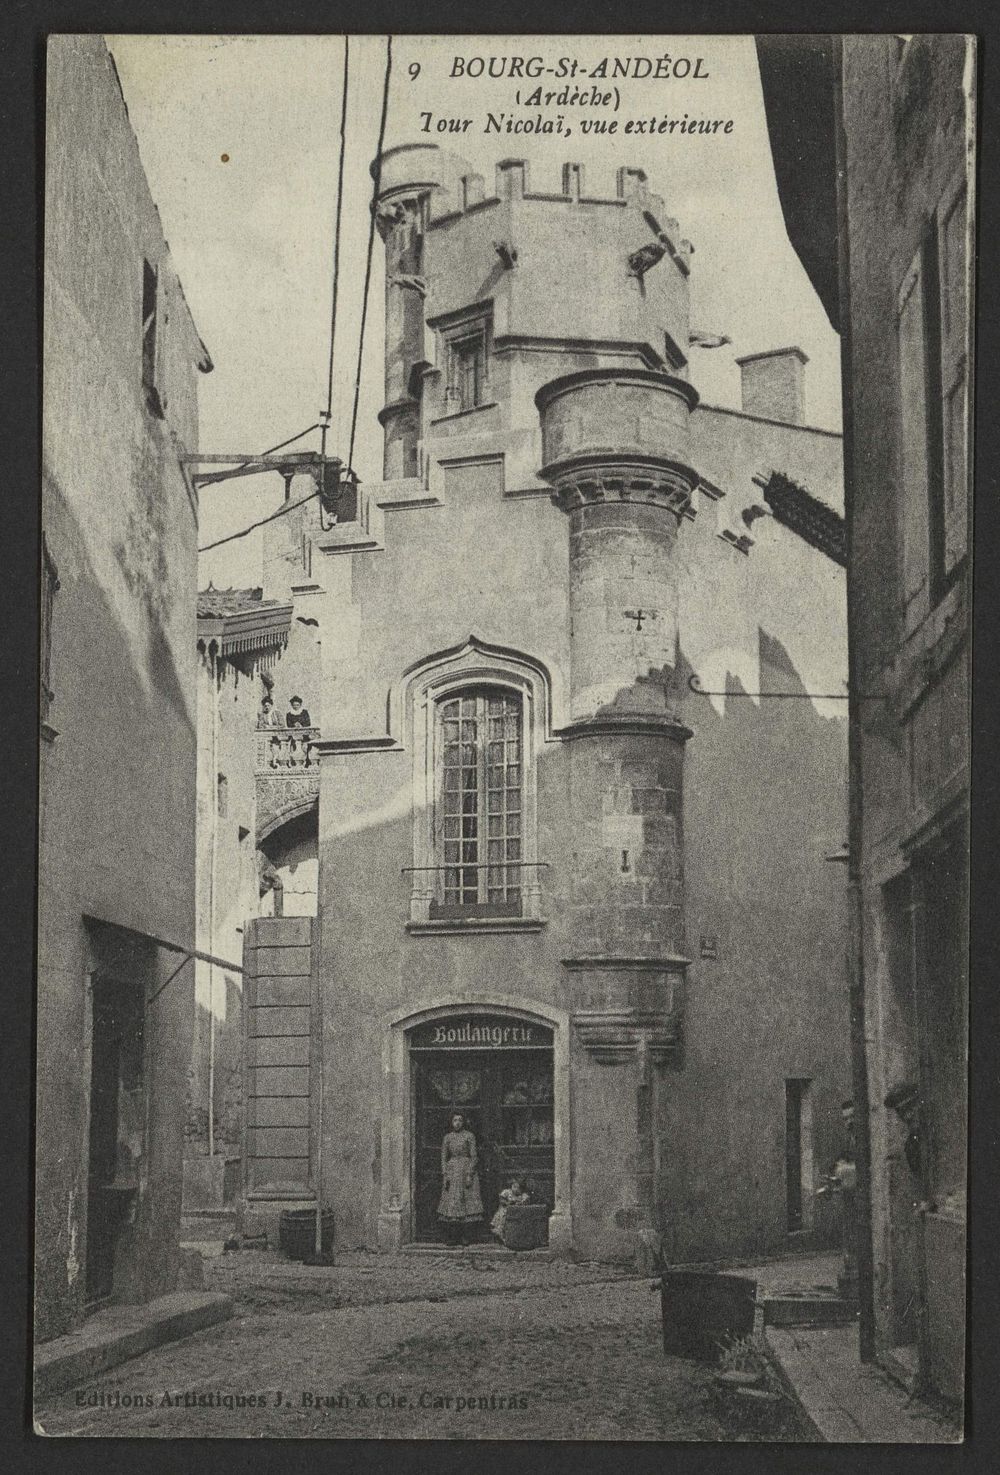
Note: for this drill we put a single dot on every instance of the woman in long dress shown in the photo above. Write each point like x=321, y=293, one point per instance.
x=461, y=1204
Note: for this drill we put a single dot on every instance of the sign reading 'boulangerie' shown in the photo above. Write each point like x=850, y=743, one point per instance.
x=483, y=1032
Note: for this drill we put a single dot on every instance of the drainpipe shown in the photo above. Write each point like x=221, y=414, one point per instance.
x=211, y=902
x=856, y=957
x=315, y=955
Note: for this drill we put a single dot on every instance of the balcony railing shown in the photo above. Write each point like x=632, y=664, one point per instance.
x=287, y=750
x=511, y=888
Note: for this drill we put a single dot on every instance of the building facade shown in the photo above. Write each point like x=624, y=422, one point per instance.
x=897, y=116
x=572, y=864
x=240, y=639
x=116, y=908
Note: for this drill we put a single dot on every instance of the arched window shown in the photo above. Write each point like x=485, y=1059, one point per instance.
x=477, y=718
x=478, y=813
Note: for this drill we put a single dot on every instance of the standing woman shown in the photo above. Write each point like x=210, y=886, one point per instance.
x=461, y=1204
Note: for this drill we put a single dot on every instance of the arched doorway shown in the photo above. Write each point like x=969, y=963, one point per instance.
x=498, y=1073
x=531, y=1058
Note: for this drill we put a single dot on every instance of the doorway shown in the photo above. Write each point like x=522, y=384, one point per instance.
x=506, y=1098
x=117, y=1127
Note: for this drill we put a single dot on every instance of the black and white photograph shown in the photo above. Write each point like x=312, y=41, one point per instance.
x=503, y=859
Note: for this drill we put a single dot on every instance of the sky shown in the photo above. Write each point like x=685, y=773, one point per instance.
x=239, y=137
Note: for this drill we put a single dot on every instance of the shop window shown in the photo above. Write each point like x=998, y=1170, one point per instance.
x=50, y=587
x=479, y=811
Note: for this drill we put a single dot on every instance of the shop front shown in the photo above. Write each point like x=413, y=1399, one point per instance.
x=497, y=1075
x=505, y=1072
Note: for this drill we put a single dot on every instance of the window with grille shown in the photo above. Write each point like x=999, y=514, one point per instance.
x=479, y=809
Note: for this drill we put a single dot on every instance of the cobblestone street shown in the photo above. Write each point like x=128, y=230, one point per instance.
x=416, y=1347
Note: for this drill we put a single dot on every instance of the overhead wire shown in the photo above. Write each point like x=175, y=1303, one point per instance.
x=336, y=247
x=371, y=242
x=282, y=510
x=323, y=424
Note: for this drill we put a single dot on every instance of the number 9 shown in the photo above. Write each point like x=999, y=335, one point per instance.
x=414, y=70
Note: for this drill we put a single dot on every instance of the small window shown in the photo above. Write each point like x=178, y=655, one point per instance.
x=468, y=378
x=150, y=305
x=479, y=808
x=50, y=587
x=222, y=795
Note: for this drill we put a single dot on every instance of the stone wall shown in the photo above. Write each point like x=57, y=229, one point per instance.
x=118, y=759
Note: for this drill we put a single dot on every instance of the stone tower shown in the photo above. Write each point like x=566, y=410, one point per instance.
x=501, y=309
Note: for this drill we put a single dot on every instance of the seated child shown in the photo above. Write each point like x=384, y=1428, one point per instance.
x=515, y=1194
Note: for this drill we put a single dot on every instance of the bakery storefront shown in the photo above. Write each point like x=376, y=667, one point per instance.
x=505, y=1074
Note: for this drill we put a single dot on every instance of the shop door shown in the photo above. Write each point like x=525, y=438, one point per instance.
x=506, y=1100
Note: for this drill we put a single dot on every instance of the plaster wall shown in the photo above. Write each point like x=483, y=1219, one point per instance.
x=227, y=889
x=906, y=123
x=469, y=560
x=118, y=776
x=764, y=804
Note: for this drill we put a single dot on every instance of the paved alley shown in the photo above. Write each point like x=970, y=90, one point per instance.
x=416, y=1347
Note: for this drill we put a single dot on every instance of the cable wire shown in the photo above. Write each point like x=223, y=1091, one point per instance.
x=336, y=246
x=210, y=480
x=292, y=506
x=281, y=512
x=371, y=242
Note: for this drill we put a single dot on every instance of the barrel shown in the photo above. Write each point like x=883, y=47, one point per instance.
x=297, y=1232
x=703, y=1311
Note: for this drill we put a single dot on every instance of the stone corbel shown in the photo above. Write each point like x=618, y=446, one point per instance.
x=413, y=283
x=614, y=1036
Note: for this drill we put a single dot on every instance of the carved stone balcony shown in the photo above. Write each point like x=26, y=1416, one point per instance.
x=287, y=772
x=286, y=750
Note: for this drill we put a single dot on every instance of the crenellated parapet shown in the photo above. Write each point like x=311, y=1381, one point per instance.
x=496, y=287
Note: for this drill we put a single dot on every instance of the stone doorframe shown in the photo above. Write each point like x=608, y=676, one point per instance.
x=395, y=1220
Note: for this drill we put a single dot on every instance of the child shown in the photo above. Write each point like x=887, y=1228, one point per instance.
x=515, y=1194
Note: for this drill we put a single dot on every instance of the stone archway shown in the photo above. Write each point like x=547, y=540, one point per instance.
x=288, y=859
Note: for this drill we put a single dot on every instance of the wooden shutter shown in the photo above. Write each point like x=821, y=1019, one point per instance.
x=914, y=490
x=955, y=259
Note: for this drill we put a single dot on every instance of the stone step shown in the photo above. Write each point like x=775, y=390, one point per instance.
x=118, y=1333
x=807, y=1309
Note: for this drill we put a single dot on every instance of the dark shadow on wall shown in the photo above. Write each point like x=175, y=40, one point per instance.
x=764, y=803
x=227, y=1047
x=294, y=841
x=116, y=840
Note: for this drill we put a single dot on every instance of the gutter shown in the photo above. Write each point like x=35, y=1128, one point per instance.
x=855, y=814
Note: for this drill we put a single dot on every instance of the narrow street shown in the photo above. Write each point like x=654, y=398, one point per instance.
x=415, y=1347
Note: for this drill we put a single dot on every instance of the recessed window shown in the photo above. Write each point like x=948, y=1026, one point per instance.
x=476, y=718
x=150, y=314
x=468, y=371
x=479, y=809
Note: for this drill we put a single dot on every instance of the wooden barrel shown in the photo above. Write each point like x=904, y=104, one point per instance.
x=702, y=1311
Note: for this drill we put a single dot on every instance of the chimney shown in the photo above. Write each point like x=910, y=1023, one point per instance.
x=773, y=384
